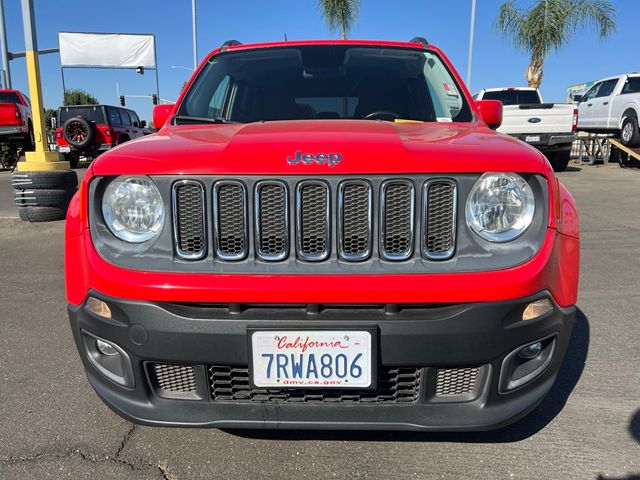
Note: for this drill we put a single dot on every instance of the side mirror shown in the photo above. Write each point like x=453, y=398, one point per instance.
x=490, y=112
x=143, y=123
x=161, y=114
x=577, y=98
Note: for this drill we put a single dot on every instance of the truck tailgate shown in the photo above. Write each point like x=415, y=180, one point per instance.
x=545, y=118
x=8, y=114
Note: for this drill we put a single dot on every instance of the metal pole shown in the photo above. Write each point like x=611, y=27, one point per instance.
x=195, y=34
x=4, y=47
x=41, y=159
x=471, y=30
x=64, y=88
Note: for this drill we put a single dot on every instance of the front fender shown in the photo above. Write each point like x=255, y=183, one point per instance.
x=569, y=223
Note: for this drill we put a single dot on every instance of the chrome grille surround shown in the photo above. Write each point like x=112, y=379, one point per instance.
x=397, y=232
x=313, y=226
x=230, y=219
x=189, y=221
x=271, y=220
x=439, y=216
x=355, y=234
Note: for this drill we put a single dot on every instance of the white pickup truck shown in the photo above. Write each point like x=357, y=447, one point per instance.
x=550, y=127
x=612, y=105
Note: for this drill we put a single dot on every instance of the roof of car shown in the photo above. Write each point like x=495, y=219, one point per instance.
x=229, y=46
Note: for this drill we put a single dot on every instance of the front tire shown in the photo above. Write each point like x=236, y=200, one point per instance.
x=629, y=135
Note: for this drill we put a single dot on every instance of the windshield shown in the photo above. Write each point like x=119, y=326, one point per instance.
x=90, y=113
x=325, y=82
x=514, y=97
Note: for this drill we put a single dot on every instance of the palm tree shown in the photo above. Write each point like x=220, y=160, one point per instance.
x=549, y=25
x=340, y=14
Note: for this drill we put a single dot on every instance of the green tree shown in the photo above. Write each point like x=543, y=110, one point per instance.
x=340, y=14
x=548, y=25
x=77, y=96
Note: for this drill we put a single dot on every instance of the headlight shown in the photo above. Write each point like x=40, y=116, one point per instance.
x=500, y=206
x=133, y=209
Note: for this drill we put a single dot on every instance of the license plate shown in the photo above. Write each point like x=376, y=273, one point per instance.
x=311, y=359
x=535, y=139
x=64, y=149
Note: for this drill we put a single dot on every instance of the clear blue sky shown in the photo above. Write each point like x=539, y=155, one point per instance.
x=444, y=23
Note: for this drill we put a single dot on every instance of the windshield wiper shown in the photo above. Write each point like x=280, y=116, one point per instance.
x=188, y=118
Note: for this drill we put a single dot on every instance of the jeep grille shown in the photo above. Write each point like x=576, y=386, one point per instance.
x=355, y=217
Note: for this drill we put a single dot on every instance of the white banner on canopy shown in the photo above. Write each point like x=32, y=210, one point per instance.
x=114, y=50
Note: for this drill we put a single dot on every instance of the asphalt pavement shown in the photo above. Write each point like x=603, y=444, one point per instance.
x=52, y=425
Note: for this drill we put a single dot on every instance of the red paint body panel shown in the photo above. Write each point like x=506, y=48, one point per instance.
x=13, y=114
x=85, y=269
x=367, y=148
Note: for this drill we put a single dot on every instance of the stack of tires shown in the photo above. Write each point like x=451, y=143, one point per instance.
x=43, y=196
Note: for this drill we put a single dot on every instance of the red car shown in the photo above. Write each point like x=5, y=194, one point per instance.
x=89, y=130
x=323, y=234
x=16, y=123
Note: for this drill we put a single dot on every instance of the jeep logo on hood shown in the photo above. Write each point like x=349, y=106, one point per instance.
x=331, y=159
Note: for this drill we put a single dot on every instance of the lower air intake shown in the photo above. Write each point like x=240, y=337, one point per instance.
x=174, y=378
x=395, y=385
x=456, y=381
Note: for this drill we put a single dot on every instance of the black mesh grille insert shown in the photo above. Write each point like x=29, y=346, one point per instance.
x=189, y=219
x=439, y=240
x=174, y=378
x=355, y=240
x=272, y=227
x=395, y=385
x=456, y=381
x=313, y=222
x=397, y=220
x=231, y=221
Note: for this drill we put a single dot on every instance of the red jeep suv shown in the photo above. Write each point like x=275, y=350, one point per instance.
x=323, y=234
x=89, y=130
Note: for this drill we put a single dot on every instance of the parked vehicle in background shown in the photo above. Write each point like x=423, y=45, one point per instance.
x=612, y=106
x=550, y=127
x=89, y=130
x=16, y=126
x=323, y=234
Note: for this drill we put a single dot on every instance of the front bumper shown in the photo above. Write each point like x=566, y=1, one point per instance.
x=428, y=338
x=548, y=141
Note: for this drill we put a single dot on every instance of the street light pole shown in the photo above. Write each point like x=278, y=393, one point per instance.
x=4, y=49
x=195, y=34
x=471, y=31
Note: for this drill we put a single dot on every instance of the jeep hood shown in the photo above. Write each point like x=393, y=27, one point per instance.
x=365, y=146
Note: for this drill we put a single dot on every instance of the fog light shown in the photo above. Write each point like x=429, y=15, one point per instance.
x=106, y=348
x=537, y=309
x=99, y=308
x=530, y=351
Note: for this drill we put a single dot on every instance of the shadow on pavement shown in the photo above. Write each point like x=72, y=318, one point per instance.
x=551, y=405
x=634, y=426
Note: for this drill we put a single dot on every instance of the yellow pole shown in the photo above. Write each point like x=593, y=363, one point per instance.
x=41, y=159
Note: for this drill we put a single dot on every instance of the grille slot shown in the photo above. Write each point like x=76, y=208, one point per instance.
x=313, y=236
x=456, y=381
x=397, y=206
x=272, y=220
x=175, y=378
x=395, y=385
x=230, y=213
x=440, y=204
x=355, y=205
x=189, y=219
